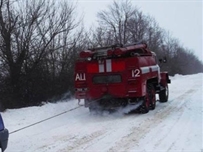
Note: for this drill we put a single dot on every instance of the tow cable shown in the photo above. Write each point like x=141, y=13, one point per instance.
x=43, y=120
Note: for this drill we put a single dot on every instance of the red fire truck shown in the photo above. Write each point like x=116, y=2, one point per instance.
x=118, y=76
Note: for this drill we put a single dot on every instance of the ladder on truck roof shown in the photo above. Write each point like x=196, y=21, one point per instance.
x=117, y=50
x=115, y=46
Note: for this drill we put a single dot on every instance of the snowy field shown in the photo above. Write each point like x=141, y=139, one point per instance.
x=175, y=126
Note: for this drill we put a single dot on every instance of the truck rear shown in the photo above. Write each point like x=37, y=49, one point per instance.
x=116, y=76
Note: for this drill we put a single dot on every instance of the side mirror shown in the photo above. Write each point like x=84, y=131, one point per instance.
x=164, y=60
x=160, y=60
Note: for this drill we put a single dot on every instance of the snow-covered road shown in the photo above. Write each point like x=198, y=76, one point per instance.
x=173, y=126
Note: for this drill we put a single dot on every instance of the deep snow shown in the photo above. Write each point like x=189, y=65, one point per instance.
x=173, y=126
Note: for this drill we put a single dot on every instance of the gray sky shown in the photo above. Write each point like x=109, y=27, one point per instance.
x=182, y=18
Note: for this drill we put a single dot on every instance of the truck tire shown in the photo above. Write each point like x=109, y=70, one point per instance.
x=152, y=97
x=95, y=110
x=146, y=102
x=163, y=95
x=92, y=109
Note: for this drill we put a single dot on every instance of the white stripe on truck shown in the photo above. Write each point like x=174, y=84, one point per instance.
x=108, y=65
x=147, y=69
x=144, y=70
x=101, y=66
x=154, y=68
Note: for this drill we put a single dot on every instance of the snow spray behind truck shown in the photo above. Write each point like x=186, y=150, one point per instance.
x=119, y=76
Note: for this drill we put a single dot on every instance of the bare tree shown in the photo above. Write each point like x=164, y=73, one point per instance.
x=137, y=26
x=115, y=20
x=34, y=36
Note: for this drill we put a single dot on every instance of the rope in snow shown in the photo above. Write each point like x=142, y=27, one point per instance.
x=44, y=120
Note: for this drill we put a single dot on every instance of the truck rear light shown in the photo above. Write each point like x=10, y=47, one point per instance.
x=89, y=58
x=118, y=66
x=109, y=52
x=81, y=89
x=81, y=85
x=86, y=54
x=80, y=95
x=118, y=52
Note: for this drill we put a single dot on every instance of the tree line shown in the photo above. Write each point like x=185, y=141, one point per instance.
x=40, y=41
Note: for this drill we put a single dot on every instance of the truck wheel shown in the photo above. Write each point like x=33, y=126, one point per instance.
x=94, y=110
x=163, y=94
x=146, y=103
x=152, y=97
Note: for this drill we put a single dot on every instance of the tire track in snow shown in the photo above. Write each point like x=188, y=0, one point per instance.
x=137, y=133
x=185, y=131
x=79, y=143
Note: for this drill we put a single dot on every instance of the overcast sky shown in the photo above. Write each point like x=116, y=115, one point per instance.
x=182, y=18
